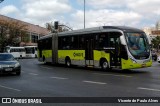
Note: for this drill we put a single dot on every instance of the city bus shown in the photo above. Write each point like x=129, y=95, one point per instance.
x=31, y=51
x=17, y=52
x=107, y=47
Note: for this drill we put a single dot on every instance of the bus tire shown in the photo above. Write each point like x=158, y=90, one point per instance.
x=21, y=56
x=104, y=64
x=35, y=56
x=68, y=62
x=44, y=60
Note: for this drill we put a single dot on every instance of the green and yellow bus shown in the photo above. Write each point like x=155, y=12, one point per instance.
x=106, y=47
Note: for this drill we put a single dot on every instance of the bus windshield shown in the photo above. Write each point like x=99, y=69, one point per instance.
x=6, y=49
x=30, y=50
x=138, y=45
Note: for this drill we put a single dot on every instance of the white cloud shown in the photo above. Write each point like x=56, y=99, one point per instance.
x=139, y=6
x=41, y=11
x=105, y=17
x=104, y=12
x=107, y=3
x=122, y=12
x=146, y=7
x=8, y=10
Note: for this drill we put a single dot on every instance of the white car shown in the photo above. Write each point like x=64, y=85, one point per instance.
x=158, y=59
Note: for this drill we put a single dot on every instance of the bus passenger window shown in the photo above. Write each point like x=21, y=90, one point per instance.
x=101, y=41
x=81, y=43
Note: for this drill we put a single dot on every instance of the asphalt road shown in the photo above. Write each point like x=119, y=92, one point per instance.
x=39, y=80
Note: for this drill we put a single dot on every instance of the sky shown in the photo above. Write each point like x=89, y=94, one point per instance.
x=134, y=13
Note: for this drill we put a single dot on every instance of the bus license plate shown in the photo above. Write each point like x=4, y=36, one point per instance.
x=8, y=69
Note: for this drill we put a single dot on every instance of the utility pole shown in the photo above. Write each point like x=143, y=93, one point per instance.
x=84, y=13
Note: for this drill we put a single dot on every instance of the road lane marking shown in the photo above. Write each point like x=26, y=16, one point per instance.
x=102, y=83
x=59, y=78
x=47, y=68
x=9, y=88
x=33, y=74
x=149, y=89
x=113, y=75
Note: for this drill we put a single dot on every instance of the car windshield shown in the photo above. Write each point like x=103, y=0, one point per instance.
x=6, y=57
x=138, y=45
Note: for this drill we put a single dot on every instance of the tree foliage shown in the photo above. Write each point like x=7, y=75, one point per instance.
x=156, y=42
x=10, y=32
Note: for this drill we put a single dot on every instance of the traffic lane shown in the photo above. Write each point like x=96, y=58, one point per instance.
x=143, y=74
x=71, y=88
x=41, y=79
x=144, y=84
x=147, y=73
x=68, y=88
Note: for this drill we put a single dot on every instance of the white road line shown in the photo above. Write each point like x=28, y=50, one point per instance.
x=9, y=88
x=149, y=89
x=102, y=83
x=59, y=78
x=33, y=74
x=114, y=75
x=23, y=71
x=47, y=68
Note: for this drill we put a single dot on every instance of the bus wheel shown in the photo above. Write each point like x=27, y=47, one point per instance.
x=104, y=65
x=68, y=62
x=44, y=60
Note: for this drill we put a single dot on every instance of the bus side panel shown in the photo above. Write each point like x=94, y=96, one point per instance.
x=100, y=54
x=47, y=55
x=77, y=57
x=129, y=64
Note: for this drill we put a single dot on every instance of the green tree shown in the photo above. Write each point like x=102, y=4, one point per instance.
x=156, y=42
x=10, y=32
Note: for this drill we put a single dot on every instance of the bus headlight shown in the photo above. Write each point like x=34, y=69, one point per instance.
x=17, y=65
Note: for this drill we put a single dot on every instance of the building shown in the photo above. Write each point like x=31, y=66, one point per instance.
x=150, y=31
x=158, y=25
x=34, y=32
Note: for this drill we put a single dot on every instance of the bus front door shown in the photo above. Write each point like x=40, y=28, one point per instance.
x=89, y=52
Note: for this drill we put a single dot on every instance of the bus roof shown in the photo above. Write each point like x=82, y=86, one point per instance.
x=96, y=30
x=15, y=47
x=30, y=46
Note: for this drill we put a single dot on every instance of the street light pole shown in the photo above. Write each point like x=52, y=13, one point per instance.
x=84, y=13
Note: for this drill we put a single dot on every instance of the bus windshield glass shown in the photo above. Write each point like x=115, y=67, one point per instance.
x=6, y=49
x=138, y=45
x=30, y=50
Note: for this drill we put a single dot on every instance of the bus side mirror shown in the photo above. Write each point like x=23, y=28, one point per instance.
x=122, y=39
